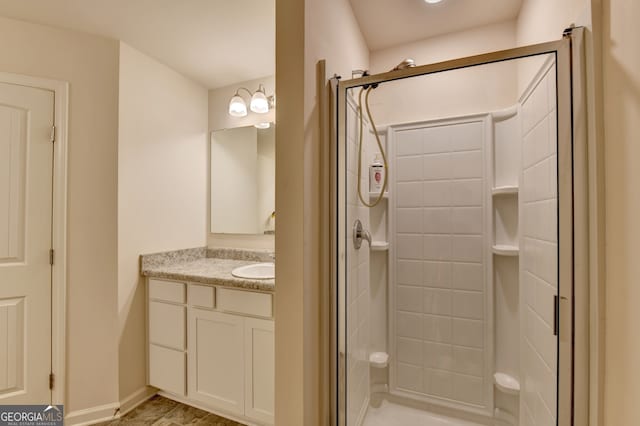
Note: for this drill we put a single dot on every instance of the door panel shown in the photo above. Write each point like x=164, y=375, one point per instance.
x=12, y=353
x=216, y=361
x=13, y=165
x=259, y=370
x=26, y=153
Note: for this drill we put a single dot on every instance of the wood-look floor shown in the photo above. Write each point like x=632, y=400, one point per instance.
x=160, y=411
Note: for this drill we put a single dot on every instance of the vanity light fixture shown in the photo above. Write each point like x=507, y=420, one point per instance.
x=237, y=106
x=260, y=103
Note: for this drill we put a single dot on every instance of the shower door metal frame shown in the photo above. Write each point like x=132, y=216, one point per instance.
x=572, y=215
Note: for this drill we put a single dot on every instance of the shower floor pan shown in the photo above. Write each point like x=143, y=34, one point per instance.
x=392, y=414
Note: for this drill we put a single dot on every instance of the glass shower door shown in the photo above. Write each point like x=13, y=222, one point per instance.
x=449, y=281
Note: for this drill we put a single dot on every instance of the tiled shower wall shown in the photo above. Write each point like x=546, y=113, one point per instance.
x=538, y=258
x=438, y=255
x=358, y=298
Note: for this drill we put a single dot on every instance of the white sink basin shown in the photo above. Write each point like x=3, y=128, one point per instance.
x=257, y=271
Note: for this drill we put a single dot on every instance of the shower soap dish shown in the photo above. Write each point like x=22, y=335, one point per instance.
x=379, y=246
x=505, y=250
x=379, y=359
x=507, y=383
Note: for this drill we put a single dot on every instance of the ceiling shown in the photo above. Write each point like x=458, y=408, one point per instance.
x=386, y=23
x=214, y=42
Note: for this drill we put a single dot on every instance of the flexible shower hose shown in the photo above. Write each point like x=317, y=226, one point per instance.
x=360, y=143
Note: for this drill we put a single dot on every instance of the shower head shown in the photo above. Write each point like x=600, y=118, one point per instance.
x=407, y=63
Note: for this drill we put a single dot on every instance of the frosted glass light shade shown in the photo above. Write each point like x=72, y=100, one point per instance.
x=265, y=125
x=238, y=107
x=259, y=103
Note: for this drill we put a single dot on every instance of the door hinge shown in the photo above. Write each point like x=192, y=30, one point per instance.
x=53, y=134
x=52, y=380
x=51, y=252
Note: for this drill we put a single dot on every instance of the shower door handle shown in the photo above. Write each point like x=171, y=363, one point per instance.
x=359, y=234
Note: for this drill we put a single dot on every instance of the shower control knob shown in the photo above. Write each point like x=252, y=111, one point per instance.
x=359, y=234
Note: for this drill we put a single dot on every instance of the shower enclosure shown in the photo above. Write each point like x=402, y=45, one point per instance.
x=454, y=291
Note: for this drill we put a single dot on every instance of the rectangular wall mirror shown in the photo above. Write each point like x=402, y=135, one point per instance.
x=243, y=181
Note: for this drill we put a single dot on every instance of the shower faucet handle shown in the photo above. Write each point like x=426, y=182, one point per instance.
x=359, y=234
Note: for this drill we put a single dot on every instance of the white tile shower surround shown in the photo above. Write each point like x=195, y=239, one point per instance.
x=390, y=413
x=358, y=292
x=439, y=265
x=539, y=255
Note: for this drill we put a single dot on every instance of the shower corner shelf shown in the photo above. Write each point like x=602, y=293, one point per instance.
x=505, y=250
x=379, y=246
x=505, y=190
x=374, y=195
x=506, y=383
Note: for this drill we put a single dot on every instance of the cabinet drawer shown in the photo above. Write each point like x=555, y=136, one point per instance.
x=167, y=369
x=201, y=296
x=166, y=290
x=167, y=324
x=244, y=302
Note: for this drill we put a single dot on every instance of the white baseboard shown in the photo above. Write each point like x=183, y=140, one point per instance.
x=89, y=416
x=138, y=397
x=103, y=413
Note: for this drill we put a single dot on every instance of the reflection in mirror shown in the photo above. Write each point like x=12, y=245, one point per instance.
x=243, y=181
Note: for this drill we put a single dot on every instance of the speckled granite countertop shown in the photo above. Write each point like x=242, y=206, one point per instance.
x=206, y=266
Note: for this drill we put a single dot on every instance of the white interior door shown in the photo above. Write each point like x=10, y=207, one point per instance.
x=26, y=153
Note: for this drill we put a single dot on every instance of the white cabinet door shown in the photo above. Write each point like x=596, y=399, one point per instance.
x=167, y=369
x=216, y=360
x=167, y=325
x=259, y=369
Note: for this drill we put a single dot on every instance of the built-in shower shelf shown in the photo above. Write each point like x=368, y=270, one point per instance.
x=505, y=250
x=379, y=359
x=374, y=195
x=379, y=245
x=505, y=190
x=506, y=383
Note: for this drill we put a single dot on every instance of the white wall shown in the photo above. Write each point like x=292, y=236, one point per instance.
x=544, y=20
x=454, y=93
x=305, y=33
x=621, y=44
x=90, y=65
x=449, y=46
x=162, y=187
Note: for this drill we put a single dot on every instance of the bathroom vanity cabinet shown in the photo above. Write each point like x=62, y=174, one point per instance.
x=213, y=346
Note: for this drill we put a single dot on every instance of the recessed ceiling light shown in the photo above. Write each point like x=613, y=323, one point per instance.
x=433, y=1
